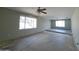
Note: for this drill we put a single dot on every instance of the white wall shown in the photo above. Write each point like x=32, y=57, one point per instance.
x=75, y=26
x=44, y=23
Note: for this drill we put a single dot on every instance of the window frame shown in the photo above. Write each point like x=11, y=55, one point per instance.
x=27, y=20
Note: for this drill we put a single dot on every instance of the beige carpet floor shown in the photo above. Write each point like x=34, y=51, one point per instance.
x=45, y=41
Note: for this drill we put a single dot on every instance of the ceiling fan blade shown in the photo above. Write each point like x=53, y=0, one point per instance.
x=44, y=12
x=43, y=9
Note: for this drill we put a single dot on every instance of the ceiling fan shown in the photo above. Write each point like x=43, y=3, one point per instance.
x=41, y=10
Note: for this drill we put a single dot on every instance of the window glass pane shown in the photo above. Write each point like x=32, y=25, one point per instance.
x=21, y=26
x=60, y=23
x=34, y=23
x=22, y=22
x=30, y=23
x=22, y=17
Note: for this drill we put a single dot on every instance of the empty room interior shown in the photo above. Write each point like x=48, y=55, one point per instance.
x=39, y=28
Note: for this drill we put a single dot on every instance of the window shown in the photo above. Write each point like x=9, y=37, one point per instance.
x=27, y=22
x=60, y=23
